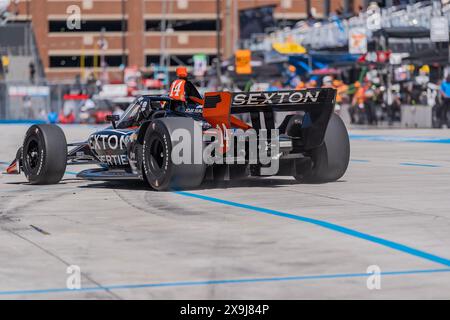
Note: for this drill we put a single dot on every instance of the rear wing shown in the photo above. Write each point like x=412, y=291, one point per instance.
x=288, y=100
x=317, y=104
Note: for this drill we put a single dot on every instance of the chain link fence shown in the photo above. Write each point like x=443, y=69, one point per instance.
x=22, y=101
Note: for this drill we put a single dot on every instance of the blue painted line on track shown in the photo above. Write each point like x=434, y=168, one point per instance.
x=412, y=164
x=23, y=121
x=218, y=282
x=442, y=140
x=326, y=225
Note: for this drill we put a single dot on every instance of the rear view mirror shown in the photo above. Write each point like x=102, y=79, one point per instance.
x=112, y=118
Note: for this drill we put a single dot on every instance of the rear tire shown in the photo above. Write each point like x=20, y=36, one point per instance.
x=158, y=168
x=44, y=154
x=330, y=160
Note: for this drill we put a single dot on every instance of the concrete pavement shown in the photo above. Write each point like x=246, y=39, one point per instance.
x=255, y=239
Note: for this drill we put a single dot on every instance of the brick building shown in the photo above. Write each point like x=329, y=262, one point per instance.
x=131, y=30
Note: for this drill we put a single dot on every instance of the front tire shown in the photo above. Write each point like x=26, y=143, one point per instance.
x=330, y=160
x=44, y=154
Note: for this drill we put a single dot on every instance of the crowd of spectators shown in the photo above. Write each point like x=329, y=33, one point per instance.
x=371, y=102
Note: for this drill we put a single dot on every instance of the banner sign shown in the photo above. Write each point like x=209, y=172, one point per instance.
x=243, y=62
x=31, y=91
x=439, y=29
x=357, y=41
x=200, y=65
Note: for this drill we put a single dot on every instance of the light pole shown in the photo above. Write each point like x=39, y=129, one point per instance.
x=326, y=8
x=308, y=9
x=104, y=74
x=123, y=27
x=162, y=57
x=218, y=39
x=348, y=7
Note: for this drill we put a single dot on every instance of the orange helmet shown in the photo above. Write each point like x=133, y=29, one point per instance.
x=337, y=83
x=182, y=72
x=311, y=83
x=300, y=85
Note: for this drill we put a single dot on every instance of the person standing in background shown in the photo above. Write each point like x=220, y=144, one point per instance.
x=357, y=105
x=327, y=82
x=341, y=92
x=28, y=108
x=312, y=83
x=2, y=71
x=32, y=71
x=300, y=86
x=445, y=93
x=5, y=63
x=370, y=103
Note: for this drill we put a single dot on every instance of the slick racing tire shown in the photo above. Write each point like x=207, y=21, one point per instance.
x=159, y=169
x=44, y=154
x=330, y=160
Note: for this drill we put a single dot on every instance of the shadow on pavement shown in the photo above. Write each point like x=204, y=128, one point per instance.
x=241, y=183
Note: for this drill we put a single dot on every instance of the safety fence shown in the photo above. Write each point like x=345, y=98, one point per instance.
x=22, y=101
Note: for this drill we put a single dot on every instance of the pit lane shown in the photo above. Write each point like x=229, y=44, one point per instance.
x=259, y=238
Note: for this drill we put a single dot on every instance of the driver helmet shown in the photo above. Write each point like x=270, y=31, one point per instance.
x=327, y=81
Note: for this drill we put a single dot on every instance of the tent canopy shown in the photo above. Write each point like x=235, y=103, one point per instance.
x=320, y=60
x=403, y=32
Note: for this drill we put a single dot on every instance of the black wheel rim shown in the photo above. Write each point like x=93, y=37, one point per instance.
x=157, y=156
x=32, y=154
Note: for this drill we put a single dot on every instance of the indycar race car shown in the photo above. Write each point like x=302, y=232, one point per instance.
x=171, y=145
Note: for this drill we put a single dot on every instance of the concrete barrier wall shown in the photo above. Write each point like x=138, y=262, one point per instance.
x=416, y=116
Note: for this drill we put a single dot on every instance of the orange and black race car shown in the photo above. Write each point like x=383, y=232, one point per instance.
x=231, y=135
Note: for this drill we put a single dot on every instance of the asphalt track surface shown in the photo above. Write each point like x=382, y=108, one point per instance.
x=265, y=238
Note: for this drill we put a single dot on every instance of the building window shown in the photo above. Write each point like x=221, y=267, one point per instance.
x=282, y=23
x=89, y=61
x=175, y=60
x=182, y=25
x=87, y=26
